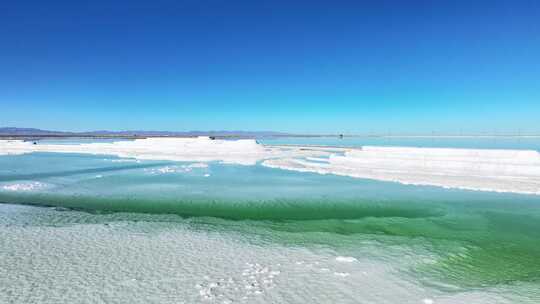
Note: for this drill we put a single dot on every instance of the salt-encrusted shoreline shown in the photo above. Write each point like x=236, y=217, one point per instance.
x=472, y=169
x=516, y=171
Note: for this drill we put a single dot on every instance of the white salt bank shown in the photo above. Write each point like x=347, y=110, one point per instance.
x=515, y=171
x=473, y=169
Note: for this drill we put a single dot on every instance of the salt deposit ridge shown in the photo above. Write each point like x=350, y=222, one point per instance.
x=515, y=171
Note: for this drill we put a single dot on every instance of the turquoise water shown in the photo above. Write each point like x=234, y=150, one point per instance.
x=457, y=246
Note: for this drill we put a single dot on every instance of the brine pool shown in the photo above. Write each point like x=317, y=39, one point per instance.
x=100, y=229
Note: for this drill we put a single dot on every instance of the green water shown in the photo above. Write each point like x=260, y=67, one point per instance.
x=465, y=240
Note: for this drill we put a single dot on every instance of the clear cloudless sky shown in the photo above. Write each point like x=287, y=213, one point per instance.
x=296, y=66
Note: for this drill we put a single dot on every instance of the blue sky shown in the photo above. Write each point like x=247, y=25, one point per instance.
x=297, y=66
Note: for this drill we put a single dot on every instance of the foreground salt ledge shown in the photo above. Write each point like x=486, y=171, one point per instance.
x=474, y=169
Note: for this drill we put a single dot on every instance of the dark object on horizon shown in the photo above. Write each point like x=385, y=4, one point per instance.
x=212, y=137
x=35, y=143
x=340, y=135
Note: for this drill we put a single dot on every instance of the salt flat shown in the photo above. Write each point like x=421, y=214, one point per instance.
x=516, y=171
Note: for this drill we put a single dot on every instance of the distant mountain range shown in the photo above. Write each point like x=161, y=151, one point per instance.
x=11, y=131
